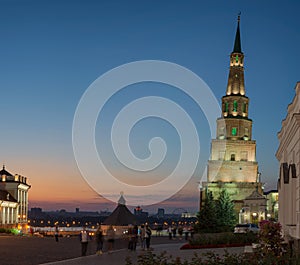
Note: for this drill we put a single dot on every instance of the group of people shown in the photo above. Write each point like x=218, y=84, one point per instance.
x=142, y=234
x=182, y=231
x=135, y=235
x=99, y=236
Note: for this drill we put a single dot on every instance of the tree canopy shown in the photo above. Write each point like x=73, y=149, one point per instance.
x=216, y=215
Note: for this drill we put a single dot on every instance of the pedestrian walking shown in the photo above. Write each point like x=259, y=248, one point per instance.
x=192, y=231
x=31, y=231
x=56, y=233
x=99, y=240
x=180, y=232
x=84, y=241
x=186, y=232
x=174, y=229
x=170, y=232
x=143, y=237
x=110, y=238
x=135, y=232
x=130, y=237
x=148, y=236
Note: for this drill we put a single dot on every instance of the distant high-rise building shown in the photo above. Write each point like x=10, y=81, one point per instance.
x=14, y=207
x=232, y=165
x=36, y=210
x=138, y=211
x=160, y=213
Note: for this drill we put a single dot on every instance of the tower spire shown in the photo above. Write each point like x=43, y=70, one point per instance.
x=236, y=84
x=237, y=43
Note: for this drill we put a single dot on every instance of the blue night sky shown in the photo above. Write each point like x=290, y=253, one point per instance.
x=51, y=51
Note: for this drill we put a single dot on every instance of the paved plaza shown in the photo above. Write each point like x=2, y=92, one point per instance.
x=118, y=257
x=28, y=250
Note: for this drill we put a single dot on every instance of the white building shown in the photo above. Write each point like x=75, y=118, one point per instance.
x=13, y=199
x=8, y=209
x=288, y=155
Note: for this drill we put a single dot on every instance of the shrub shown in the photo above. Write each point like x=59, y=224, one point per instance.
x=223, y=239
x=270, y=251
x=13, y=231
x=270, y=238
x=5, y=230
x=212, y=258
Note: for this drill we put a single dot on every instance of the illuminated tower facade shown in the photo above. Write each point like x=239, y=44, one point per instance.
x=232, y=164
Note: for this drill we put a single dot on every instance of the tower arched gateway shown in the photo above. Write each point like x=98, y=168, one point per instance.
x=232, y=164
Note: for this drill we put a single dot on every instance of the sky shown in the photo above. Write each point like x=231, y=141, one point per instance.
x=52, y=51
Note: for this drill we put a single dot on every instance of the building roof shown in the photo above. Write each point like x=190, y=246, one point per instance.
x=121, y=216
x=4, y=172
x=237, y=43
x=6, y=196
x=255, y=195
x=13, y=178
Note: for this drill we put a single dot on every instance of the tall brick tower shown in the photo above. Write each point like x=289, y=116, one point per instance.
x=232, y=165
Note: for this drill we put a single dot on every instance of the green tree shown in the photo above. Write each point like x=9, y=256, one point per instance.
x=225, y=213
x=207, y=214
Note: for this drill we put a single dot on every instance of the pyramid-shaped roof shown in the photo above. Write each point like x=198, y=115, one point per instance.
x=255, y=195
x=121, y=216
x=237, y=42
x=4, y=172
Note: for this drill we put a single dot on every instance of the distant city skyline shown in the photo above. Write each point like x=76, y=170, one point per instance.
x=51, y=51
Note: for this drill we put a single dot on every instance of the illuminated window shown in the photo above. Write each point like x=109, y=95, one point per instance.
x=233, y=131
x=235, y=105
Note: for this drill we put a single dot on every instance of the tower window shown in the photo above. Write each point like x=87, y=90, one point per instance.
x=236, y=58
x=221, y=132
x=226, y=106
x=246, y=134
x=235, y=106
x=244, y=107
x=232, y=157
x=233, y=131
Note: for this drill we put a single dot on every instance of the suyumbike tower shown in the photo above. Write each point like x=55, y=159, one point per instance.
x=232, y=165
